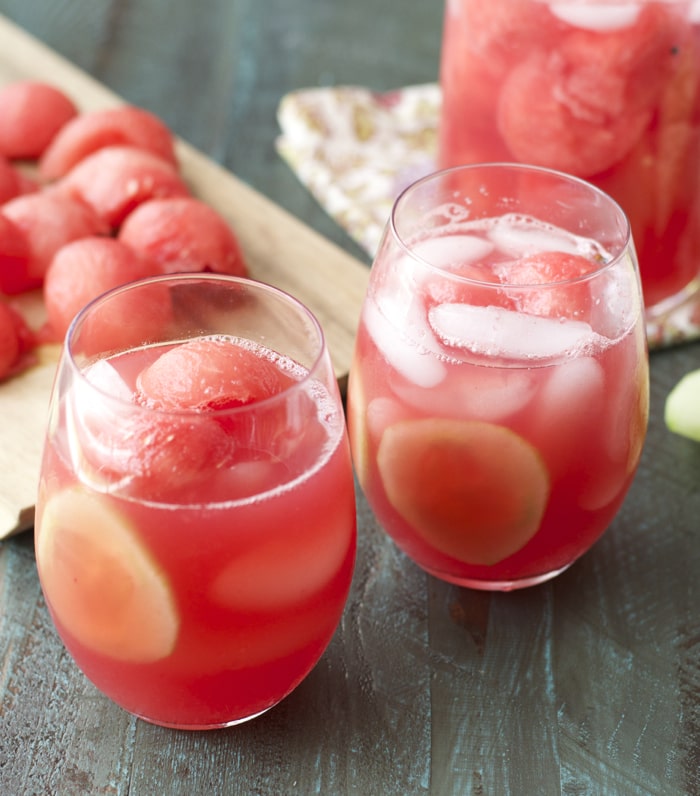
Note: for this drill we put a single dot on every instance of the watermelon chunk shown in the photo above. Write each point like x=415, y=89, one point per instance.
x=209, y=374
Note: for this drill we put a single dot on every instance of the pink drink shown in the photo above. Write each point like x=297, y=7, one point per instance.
x=607, y=92
x=196, y=562
x=498, y=397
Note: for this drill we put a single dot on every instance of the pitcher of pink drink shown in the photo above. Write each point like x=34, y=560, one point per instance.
x=606, y=91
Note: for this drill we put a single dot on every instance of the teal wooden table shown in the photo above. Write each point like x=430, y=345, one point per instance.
x=586, y=685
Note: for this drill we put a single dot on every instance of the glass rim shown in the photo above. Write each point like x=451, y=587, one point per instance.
x=295, y=385
x=503, y=166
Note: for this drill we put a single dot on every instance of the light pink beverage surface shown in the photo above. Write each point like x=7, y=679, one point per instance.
x=496, y=430
x=607, y=92
x=196, y=578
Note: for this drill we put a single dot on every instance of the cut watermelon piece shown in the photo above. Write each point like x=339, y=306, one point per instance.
x=31, y=114
x=475, y=491
x=583, y=104
x=183, y=234
x=118, y=445
x=11, y=182
x=15, y=258
x=126, y=125
x=86, y=268
x=462, y=273
x=150, y=314
x=101, y=583
x=49, y=220
x=539, y=128
x=209, y=374
x=499, y=30
x=151, y=456
x=554, y=269
x=115, y=180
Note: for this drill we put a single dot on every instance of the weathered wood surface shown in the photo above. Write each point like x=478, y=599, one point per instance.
x=587, y=685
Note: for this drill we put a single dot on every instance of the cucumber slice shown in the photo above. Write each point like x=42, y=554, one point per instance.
x=475, y=491
x=682, y=409
x=102, y=584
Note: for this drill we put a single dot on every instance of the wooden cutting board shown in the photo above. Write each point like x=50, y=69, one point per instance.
x=279, y=249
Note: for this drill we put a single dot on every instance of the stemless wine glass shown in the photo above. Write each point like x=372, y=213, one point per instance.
x=498, y=396
x=195, y=526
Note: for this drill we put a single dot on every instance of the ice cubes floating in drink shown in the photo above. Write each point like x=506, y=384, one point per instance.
x=513, y=324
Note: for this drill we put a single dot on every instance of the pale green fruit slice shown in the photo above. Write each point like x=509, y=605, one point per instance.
x=682, y=410
x=475, y=491
x=284, y=570
x=103, y=585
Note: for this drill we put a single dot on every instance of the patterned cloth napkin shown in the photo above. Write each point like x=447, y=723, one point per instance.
x=356, y=150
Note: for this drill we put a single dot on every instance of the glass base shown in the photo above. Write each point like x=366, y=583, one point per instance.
x=497, y=585
x=219, y=726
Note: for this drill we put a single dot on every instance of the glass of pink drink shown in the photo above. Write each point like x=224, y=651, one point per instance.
x=606, y=91
x=498, y=396
x=195, y=526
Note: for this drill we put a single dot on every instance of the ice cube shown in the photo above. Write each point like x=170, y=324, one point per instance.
x=596, y=16
x=567, y=411
x=518, y=236
x=107, y=379
x=452, y=251
x=574, y=388
x=383, y=412
x=94, y=408
x=615, y=300
x=474, y=393
x=497, y=332
x=401, y=332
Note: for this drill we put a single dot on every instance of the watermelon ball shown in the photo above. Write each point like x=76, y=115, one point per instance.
x=14, y=258
x=555, y=269
x=11, y=181
x=208, y=374
x=183, y=234
x=17, y=341
x=148, y=455
x=86, y=268
x=212, y=374
x=31, y=114
x=582, y=105
x=49, y=220
x=115, y=180
x=125, y=125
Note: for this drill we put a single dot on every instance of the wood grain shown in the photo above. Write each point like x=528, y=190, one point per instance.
x=278, y=248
